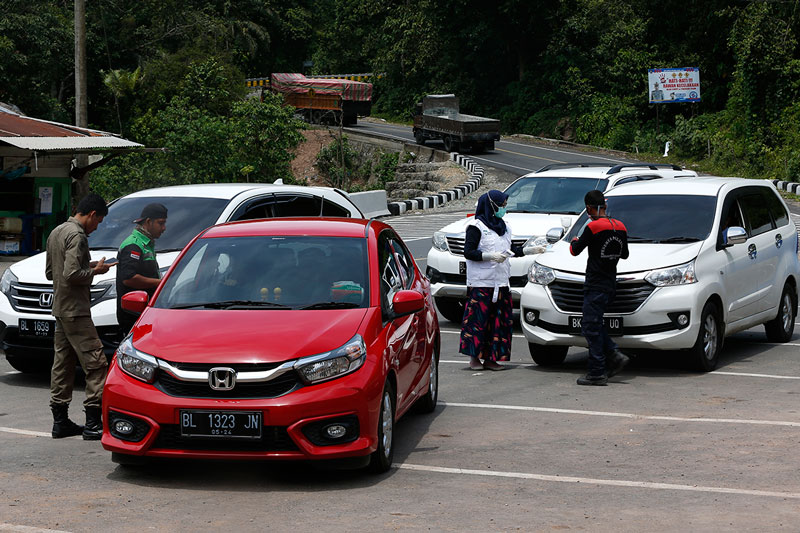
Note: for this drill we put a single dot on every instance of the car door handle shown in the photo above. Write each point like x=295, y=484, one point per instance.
x=778, y=240
x=752, y=251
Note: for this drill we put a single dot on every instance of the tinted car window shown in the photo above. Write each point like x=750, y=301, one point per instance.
x=391, y=280
x=187, y=217
x=331, y=209
x=756, y=213
x=550, y=195
x=296, y=272
x=405, y=262
x=776, y=208
x=296, y=206
x=659, y=218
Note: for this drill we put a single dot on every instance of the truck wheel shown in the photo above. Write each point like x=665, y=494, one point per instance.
x=450, y=144
x=544, y=355
x=419, y=138
x=781, y=328
x=451, y=309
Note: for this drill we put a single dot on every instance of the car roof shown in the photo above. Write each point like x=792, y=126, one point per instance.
x=307, y=226
x=608, y=171
x=701, y=186
x=226, y=191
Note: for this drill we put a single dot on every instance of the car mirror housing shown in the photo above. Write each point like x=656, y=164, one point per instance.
x=566, y=222
x=554, y=234
x=407, y=302
x=135, y=301
x=735, y=235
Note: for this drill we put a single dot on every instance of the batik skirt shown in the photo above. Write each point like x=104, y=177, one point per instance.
x=487, y=326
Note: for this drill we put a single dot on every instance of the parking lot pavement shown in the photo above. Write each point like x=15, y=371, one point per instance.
x=660, y=448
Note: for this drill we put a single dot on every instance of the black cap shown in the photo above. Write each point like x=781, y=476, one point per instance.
x=154, y=210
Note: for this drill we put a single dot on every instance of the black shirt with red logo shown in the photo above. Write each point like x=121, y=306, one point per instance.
x=607, y=240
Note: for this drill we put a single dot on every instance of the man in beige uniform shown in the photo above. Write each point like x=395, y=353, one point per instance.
x=76, y=340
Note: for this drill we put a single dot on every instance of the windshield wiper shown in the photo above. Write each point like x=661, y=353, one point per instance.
x=640, y=239
x=164, y=250
x=679, y=239
x=331, y=305
x=229, y=304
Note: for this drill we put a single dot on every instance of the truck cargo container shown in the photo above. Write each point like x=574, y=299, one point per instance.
x=438, y=117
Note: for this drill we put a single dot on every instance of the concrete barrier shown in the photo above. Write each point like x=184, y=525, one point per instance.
x=788, y=186
x=371, y=203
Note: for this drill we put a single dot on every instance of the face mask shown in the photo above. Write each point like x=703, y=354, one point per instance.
x=500, y=213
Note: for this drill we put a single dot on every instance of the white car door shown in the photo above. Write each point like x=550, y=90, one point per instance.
x=735, y=264
x=764, y=243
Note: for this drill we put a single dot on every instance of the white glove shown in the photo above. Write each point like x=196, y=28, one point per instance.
x=531, y=250
x=497, y=257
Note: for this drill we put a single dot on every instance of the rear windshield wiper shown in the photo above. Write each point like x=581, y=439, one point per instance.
x=331, y=305
x=229, y=304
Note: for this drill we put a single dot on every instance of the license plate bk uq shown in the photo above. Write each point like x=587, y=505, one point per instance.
x=227, y=424
x=613, y=325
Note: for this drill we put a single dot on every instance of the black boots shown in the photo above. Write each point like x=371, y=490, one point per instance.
x=94, y=424
x=62, y=425
x=615, y=362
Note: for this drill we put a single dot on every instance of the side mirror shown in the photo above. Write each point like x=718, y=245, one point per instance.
x=734, y=235
x=407, y=303
x=135, y=302
x=566, y=222
x=554, y=234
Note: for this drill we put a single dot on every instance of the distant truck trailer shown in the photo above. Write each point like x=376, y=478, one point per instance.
x=438, y=117
x=322, y=100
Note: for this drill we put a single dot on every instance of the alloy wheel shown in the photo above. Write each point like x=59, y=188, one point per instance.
x=710, y=336
x=387, y=424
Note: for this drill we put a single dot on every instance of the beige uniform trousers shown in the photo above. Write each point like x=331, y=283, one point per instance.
x=76, y=341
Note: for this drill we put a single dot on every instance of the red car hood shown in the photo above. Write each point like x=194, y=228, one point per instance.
x=243, y=336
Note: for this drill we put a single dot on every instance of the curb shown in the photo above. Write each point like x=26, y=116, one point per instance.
x=442, y=197
x=788, y=186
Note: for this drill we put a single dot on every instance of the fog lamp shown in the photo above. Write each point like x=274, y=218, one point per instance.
x=683, y=319
x=123, y=427
x=336, y=431
x=530, y=317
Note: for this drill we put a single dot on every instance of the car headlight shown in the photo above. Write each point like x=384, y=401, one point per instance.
x=110, y=292
x=541, y=275
x=537, y=240
x=135, y=363
x=677, y=275
x=333, y=364
x=6, y=281
x=440, y=241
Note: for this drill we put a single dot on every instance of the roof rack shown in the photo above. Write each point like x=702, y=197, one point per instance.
x=651, y=166
x=572, y=165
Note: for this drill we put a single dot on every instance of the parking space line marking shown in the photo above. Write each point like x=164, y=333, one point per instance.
x=746, y=374
x=14, y=372
x=625, y=415
x=25, y=432
x=595, y=481
x=28, y=529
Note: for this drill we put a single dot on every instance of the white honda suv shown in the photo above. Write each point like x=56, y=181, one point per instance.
x=708, y=257
x=549, y=197
x=26, y=296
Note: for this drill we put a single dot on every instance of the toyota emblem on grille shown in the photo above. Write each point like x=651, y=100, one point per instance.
x=46, y=299
x=222, y=378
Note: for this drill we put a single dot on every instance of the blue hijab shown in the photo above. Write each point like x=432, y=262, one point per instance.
x=485, y=210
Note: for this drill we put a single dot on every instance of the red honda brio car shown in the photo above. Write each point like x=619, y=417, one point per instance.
x=276, y=339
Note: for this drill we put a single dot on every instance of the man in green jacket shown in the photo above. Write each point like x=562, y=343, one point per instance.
x=69, y=266
x=138, y=267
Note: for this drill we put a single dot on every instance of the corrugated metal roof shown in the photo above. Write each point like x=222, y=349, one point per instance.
x=69, y=143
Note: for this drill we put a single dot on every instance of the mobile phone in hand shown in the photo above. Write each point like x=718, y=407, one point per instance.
x=111, y=261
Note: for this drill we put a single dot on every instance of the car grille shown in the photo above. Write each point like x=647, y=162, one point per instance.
x=273, y=388
x=273, y=438
x=456, y=244
x=568, y=296
x=35, y=298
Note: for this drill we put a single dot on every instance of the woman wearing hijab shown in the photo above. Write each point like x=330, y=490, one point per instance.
x=488, y=316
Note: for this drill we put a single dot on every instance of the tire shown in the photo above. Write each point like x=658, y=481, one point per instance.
x=28, y=364
x=449, y=144
x=419, y=138
x=427, y=404
x=124, y=459
x=451, y=309
x=704, y=355
x=544, y=355
x=381, y=459
x=781, y=328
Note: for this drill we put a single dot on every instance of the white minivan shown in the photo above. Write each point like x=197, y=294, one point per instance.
x=26, y=294
x=708, y=257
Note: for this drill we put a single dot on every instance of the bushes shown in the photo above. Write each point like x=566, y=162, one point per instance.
x=344, y=167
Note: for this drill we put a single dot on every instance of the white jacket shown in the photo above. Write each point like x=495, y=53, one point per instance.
x=489, y=273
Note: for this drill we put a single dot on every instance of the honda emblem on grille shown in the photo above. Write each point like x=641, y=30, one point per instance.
x=46, y=300
x=222, y=378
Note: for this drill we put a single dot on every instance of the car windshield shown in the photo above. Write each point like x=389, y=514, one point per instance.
x=186, y=218
x=269, y=272
x=673, y=218
x=550, y=195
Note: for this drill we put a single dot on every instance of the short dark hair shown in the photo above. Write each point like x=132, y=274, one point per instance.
x=594, y=198
x=92, y=202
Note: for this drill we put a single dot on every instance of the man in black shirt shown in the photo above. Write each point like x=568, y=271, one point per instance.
x=607, y=241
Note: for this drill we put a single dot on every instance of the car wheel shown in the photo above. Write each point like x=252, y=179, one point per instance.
x=544, y=355
x=781, y=328
x=381, y=459
x=28, y=364
x=705, y=352
x=451, y=309
x=124, y=459
x=427, y=404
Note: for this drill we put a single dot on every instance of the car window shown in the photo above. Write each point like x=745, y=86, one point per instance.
x=756, y=213
x=776, y=208
x=391, y=280
x=630, y=179
x=404, y=262
x=292, y=271
x=550, y=195
x=332, y=209
x=186, y=218
x=290, y=205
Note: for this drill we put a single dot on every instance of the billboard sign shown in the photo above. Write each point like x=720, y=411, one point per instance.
x=672, y=85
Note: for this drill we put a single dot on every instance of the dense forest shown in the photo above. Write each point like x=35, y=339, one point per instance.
x=171, y=73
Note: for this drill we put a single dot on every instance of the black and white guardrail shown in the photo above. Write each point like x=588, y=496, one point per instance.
x=788, y=186
x=442, y=197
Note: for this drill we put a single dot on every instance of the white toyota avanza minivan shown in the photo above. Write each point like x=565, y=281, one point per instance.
x=708, y=257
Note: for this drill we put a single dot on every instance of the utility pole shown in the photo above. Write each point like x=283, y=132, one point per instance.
x=81, y=186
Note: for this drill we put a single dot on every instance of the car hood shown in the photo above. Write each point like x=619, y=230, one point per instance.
x=642, y=257
x=31, y=269
x=243, y=336
x=522, y=224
